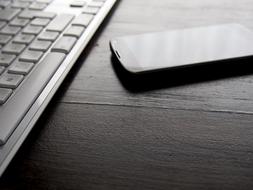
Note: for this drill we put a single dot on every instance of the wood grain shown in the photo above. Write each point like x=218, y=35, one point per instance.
x=99, y=133
x=108, y=147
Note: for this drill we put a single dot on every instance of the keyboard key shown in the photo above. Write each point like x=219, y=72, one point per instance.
x=20, y=4
x=40, y=22
x=35, y=30
x=20, y=67
x=43, y=14
x=21, y=22
x=6, y=59
x=45, y=1
x=4, y=3
x=30, y=56
x=23, y=39
x=91, y=10
x=27, y=1
x=75, y=31
x=12, y=81
x=48, y=36
x=77, y=3
x=27, y=14
x=64, y=45
x=12, y=30
x=5, y=93
x=83, y=20
x=4, y=39
x=38, y=6
x=60, y=22
x=96, y=4
x=13, y=48
x=8, y=14
x=39, y=45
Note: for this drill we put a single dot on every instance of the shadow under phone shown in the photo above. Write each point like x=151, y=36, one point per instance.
x=182, y=76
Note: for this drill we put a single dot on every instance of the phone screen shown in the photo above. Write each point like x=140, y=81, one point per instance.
x=186, y=47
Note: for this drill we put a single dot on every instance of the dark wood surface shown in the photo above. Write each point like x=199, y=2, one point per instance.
x=100, y=133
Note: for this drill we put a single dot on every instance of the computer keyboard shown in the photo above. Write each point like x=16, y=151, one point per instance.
x=40, y=40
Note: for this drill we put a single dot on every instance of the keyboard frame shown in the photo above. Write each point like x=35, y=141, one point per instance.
x=8, y=150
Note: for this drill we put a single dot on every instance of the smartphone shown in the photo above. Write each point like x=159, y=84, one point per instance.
x=183, y=48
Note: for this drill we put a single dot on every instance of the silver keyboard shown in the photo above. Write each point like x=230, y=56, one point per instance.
x=40, y=40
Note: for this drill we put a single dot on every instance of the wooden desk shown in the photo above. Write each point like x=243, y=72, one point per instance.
x=97, y=134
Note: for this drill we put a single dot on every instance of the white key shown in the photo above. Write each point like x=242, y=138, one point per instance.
x=4, y=4
x=64, y=45
x=6, y=59
x=45, y=1
x=39, y=45
x=77, y=3
x=38, y=6
x=28, y=14
x=43, y=14
x=23, y=39
x=27, y=1
x=30, y=56
x=91, y=10
x=40, y=22
x=11, y=30
x=21, y=22
x=96, y=4
x=82, y=20
x=20, y=4
x=60, y=22
x=4, y=39
x=10, y=80
x=32, y=29
x=20, y=67
x=48, y=36
x=8, y=14
x=13, y=48
x=75, y=31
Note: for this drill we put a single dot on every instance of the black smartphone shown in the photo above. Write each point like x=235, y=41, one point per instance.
x=182, y=48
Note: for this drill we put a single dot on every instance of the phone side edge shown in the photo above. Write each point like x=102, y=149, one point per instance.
x=125, y=57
